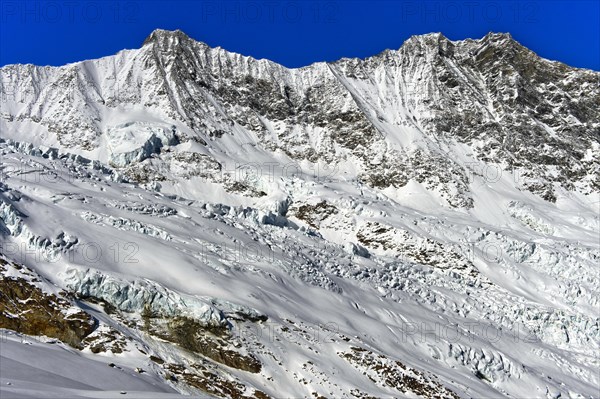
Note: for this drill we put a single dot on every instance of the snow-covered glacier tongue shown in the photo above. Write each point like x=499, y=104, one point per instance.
x=135, y=141
x=141, y=295
x=420, y=223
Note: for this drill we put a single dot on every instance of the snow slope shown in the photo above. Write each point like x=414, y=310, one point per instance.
x=36, y=369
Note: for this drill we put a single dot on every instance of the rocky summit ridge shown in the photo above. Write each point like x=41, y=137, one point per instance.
x=181, y=219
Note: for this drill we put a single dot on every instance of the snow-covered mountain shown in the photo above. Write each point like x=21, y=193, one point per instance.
x=423, y=222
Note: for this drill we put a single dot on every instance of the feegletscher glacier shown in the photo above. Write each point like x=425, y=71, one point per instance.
x=183, y=220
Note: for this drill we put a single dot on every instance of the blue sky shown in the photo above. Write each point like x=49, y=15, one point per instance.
x=294, y=33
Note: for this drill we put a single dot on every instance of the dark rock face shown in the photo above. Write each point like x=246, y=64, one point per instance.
x=28, y=309
x=212, y=344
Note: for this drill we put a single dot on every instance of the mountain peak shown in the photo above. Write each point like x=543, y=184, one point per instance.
x=162, y=35
x=501, y=39
x=428, y=37
x=504, y=43
x=498, y=36
x=432, y=41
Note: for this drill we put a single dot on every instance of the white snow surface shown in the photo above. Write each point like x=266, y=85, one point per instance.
x=38, y=368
